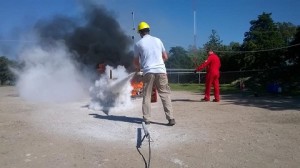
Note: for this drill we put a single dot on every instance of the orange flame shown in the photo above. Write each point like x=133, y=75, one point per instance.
x=137, y=88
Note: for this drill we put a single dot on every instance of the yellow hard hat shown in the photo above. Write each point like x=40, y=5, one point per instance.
x=143, y=25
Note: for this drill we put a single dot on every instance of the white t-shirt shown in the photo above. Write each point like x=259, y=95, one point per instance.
x=150, y=49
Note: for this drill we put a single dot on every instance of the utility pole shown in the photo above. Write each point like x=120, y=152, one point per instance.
x=133, y=26
x=195, y=24
x=195, y=27
x=195, y=37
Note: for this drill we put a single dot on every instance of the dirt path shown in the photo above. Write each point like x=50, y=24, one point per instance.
x=240, y=131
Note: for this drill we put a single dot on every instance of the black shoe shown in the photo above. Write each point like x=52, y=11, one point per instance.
x=215, y=100
x=147, y=122
x=204, y=100
x=171, y=122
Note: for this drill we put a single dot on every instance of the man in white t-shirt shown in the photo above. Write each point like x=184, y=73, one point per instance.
x=150, y=55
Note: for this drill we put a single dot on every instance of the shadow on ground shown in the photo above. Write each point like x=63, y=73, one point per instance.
x=118, y=118
x=134, y=120
x=267, y=101
x=185, y=100
x=271, y=102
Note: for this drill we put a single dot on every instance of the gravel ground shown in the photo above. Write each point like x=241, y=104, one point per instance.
x=240, y=131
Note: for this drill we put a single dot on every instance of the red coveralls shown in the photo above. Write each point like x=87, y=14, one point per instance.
x=213, y=65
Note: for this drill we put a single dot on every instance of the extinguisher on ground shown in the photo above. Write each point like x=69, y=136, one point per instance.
x=154, y=95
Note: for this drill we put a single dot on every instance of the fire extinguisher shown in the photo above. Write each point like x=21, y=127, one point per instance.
x=154, y=95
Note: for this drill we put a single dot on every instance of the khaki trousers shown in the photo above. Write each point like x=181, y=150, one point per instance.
x=160, y=81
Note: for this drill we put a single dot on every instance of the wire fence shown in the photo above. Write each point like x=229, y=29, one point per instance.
x=188, y=76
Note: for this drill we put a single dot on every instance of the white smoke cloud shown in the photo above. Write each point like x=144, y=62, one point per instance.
x=110, y=94
x=49, y=75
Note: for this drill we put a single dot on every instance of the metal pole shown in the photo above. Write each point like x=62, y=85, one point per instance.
x=146, y=132
x=195, y=36
x=133, y=26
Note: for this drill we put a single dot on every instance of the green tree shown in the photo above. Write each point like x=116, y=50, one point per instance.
x=197, y=56
x=178, y=58
x=230, y=57
x=293, y=56
x=5, y=73
x=214, y=42
x=263, y=36
x=287, y=31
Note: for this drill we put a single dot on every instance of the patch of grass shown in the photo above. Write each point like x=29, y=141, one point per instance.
x=230, y=89
x=224, y=88
x=187, y=87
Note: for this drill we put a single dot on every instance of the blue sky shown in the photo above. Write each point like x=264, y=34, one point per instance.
x=170, y=20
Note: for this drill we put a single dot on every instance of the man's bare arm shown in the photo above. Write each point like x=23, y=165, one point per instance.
x=136, y=62
x=164, y=56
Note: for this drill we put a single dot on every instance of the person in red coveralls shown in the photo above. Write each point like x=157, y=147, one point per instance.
x=212, y=65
